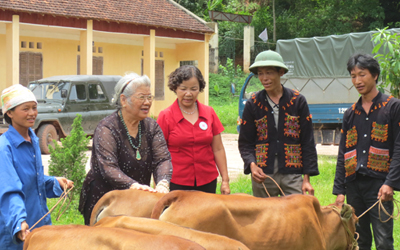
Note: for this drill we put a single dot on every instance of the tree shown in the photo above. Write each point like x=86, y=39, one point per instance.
x=69, y=160
x=389, y=60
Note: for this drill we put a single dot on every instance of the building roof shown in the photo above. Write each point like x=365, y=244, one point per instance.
x=158, y=13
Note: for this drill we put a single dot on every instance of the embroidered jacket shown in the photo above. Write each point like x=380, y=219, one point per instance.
x=369, y=143
x=293, y=143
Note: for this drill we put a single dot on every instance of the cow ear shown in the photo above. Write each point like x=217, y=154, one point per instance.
x=346, y=212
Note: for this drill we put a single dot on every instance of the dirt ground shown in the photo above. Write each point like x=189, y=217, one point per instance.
x=235, y=163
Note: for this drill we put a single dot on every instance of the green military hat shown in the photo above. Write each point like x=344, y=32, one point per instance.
x=268, y=58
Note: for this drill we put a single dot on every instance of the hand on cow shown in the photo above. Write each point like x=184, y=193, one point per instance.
x=257, y=173
x=225, y=189
x=142, y=187
x=306, y=187
x=65, y=183
x=385, y=193
x=24, y=231
x=339, y=200
x=162, y=187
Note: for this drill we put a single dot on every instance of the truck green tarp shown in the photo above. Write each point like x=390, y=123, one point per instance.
x=325, y=56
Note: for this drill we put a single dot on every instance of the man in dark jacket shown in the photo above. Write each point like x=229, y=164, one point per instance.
x=276, y=133
x=369, y=154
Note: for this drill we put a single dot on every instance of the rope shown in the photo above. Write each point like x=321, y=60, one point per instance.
x=275, y=184
x=59, y=213
x=350, y=238
x=396, y=202
x=63, y=196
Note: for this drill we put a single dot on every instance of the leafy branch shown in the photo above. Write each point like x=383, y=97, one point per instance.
x=389, y=59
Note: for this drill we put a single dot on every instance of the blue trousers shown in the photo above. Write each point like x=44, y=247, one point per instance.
x=362, y=193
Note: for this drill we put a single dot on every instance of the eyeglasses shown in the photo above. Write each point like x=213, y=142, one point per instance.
x=149, y=98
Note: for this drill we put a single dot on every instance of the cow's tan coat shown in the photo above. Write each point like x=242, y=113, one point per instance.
x=99, y=238
x=286, y=223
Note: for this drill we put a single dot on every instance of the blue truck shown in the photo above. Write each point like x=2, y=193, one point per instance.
x=318, y=69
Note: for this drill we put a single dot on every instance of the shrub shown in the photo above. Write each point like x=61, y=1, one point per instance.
x=69, y=160
x=220, y=84
x=389, y=60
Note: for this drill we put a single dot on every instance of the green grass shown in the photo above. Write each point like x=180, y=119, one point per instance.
x=322, y=184
x=227, y=112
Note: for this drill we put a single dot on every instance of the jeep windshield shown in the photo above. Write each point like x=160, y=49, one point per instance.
x=49, y=91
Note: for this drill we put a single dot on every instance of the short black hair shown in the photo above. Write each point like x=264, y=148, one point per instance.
x=7, y=118
x=184, y=73
x=364, y=61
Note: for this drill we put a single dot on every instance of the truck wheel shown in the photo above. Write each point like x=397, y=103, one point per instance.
x=47, y=133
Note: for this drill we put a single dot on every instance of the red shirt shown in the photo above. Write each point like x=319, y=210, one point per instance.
x=190, y=145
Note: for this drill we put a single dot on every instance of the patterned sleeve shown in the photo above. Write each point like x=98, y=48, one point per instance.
x=393, y=178
x=309, y=152
x=247, y=137
x=161, y=156
x=339, y=186
x=105, y=143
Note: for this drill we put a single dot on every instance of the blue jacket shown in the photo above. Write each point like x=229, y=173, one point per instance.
x=23, y=186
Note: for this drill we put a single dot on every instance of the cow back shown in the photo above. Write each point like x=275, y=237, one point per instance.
x=97, y=238
x=130, y=202
x=292, y=222
x=208, y=240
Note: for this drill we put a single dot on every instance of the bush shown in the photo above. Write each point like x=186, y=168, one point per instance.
x=69, y=160
x=389, y=60
x=220, y=84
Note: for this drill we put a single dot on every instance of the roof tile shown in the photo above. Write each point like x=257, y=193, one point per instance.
x=159, y=13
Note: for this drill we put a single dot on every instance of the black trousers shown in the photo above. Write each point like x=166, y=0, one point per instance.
x=208, y=188
x=362, y=193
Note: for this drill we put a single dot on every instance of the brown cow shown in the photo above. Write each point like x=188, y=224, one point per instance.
x=145, y=225
x=131, y=202
x=99, y=238
x=292, y=222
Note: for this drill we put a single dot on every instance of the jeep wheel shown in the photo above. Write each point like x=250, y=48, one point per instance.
x=47, y=133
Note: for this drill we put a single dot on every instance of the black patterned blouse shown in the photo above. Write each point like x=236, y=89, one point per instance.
x=293, y=143
x=114, y=164
x=370, y=144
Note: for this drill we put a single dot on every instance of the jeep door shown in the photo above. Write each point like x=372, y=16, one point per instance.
x=78, y=103
x=99, y=104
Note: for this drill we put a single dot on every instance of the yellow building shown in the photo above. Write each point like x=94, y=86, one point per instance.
x=40, y=39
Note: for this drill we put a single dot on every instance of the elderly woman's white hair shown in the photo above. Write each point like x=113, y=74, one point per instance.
x=127, y=85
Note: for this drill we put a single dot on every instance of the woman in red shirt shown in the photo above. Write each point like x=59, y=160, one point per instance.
x=193, y=134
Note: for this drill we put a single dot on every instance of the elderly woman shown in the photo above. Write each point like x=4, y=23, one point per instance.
x=193, y=134
x=128, y=147
x=24, y=187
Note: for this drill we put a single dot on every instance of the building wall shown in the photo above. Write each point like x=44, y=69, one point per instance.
x=119, y=59
x=60, y=58
x=194, y=51
x=2, y=62
x=170, y=64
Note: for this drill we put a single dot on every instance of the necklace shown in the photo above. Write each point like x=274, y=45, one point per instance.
x=138, y=156
x=189, y=113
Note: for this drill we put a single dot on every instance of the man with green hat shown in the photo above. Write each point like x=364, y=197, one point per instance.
x=276, y=133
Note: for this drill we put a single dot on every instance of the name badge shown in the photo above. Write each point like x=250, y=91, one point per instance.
x=203, y=125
